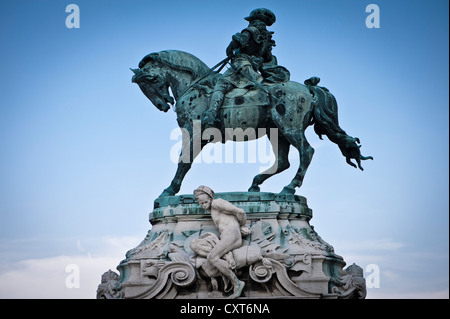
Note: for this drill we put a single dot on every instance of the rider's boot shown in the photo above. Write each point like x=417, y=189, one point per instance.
x=216, y=102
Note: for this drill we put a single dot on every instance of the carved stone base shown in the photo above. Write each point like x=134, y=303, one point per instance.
x=282, y=257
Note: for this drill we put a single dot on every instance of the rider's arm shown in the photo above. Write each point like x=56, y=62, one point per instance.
x=239, y=40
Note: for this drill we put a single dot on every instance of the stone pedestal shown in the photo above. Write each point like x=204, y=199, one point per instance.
x=284, y=256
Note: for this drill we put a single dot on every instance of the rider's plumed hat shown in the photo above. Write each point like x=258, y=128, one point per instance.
x=265, y=15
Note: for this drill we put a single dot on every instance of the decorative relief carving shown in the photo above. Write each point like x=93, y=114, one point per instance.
x=280, y=254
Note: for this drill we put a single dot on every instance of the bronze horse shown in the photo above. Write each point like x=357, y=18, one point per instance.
x=289, y=107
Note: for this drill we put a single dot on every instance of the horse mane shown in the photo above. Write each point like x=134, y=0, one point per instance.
x=178, y=60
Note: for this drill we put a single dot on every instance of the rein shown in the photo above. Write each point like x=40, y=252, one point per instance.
x=221, y=64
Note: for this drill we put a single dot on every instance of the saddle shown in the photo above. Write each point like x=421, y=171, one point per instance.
x=245, y=98
x=244, y=108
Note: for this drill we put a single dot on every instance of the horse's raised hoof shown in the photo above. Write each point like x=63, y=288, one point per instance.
x=254, y=189
x=167, y=192
x=288, y=190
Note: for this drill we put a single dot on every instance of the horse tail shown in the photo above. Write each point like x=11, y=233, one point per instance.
x=325, y=120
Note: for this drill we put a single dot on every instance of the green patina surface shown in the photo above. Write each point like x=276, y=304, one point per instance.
x=253, y=203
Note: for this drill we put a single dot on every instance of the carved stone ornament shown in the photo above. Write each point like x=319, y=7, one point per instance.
x=280, y=254
x=109, y=287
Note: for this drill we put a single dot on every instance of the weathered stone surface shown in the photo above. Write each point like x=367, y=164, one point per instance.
x=284, y=255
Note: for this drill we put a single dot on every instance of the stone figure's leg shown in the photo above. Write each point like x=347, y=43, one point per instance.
x=228, y=241
x=281, y=161
x=306, y=152
x=214, y=284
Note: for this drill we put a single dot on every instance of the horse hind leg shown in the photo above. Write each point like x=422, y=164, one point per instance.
x=281, y=147
x=306, y=152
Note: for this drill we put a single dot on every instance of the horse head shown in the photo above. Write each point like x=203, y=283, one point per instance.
x=154, y=86
x=170, y=68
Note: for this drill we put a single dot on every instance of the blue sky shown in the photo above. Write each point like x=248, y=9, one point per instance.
x=84, y=154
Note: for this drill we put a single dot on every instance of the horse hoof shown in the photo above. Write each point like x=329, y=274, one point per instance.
x=167, y=193
x=254, y=189
x=288, y=190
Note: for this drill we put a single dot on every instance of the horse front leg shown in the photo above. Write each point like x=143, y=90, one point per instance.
x=187, y=156
x=175, y=186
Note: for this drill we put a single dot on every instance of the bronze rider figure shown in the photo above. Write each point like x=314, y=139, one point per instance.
x=251, y=61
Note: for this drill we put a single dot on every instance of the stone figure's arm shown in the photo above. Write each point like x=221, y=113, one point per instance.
x=226, y=207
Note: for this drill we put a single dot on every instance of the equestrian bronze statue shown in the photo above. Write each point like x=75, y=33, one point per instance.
x=253, y=93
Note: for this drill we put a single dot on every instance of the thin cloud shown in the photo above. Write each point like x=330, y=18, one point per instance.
x=46, y=277
x=384, y=244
